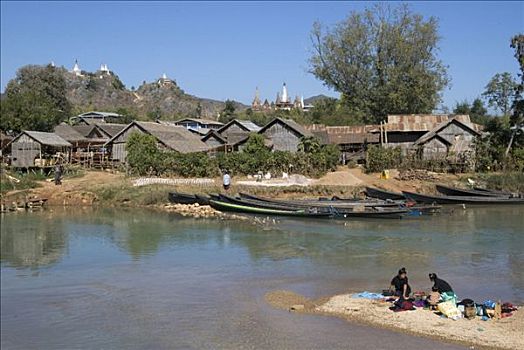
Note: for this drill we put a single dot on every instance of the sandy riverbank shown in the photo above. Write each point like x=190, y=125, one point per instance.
x=117, y=189
x=501, y=334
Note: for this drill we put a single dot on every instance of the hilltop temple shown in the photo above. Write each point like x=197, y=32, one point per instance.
x=282, y=102
x=76, y=69
x=165, y=81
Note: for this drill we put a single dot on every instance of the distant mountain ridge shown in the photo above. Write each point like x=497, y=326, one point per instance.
x=311, y=100
x=103, y=90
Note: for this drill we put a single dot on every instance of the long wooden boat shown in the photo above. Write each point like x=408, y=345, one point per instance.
x=426, y=198
x=496, y=192
x=331, y=203
x=352, y=212
x=453, y=191
x=202, y=199
x=231, y=207
x=383, y=194
x=182, y=198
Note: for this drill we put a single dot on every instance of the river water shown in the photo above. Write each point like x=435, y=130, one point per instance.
x=100, y=278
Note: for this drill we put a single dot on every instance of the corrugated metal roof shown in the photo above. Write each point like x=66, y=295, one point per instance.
x=46, y=138
x=422, y=122
x=103, y=114
x=434, y=132
x=345, y=134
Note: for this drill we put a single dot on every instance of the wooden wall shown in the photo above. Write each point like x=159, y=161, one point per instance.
x=282, y=137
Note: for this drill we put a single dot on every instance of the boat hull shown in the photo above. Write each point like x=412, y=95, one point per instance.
x=384, y=195
x=182, y=198
x=231, y=207
x=424, y=198
x=452, y=191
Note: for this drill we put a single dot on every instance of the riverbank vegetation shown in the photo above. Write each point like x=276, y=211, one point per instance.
x=145, y=158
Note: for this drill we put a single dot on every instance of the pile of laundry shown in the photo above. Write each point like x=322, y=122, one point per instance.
x=446, y=305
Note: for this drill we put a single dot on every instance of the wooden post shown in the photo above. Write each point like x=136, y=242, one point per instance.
x=386, y=132
x=381, y=136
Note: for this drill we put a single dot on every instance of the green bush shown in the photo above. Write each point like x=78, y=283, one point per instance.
x=380, y=158
x=145, y=158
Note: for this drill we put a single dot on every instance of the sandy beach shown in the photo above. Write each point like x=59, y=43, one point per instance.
x=500, y=334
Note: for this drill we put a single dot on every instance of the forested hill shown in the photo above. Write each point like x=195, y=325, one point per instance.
x=162, y=98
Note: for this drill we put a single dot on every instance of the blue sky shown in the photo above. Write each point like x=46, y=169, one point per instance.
x=224, y=50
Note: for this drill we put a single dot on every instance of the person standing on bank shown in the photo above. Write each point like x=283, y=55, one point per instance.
x=58, y=174
x=439, y=284
x=226, y=180
x=400, y=284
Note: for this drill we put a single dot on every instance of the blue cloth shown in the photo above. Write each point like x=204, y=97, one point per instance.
x=367, y=295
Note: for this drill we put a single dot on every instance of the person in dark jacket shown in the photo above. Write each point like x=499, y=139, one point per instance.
x=399, y=283
x=439, y=284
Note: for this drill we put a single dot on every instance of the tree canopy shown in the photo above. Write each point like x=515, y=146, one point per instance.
x=381, y=60
x=476, y=110
x=35, y=100
x=500, y=91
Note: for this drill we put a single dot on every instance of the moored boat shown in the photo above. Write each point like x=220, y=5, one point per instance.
x=182, y=198
x=330, y=203
x=383, y=194
x=426, y=198
x=202, y=199
x=453, y=191
x=231, y=207
x=337, y=212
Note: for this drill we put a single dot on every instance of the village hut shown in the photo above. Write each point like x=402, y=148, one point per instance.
x=174, y=138
x=237, y=130
x=452, y=137
x=93, y=117
x=197, y=123
x=38, y=149
x=403, y=130
x=352, y=140
x=284, y=134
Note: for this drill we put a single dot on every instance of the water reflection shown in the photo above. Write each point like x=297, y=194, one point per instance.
x=32, y=242
x=467, y=244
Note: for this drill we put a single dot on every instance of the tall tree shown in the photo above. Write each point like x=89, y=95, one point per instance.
x=476, y=111
x=228, y=113
x=35, y=100
x=382, y=60
x=517, y=118
x=500, y=91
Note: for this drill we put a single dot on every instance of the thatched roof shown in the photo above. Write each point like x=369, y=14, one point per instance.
x=44, y=138
x=68, y=133
x=245, y=125
x=176, y=138
x=83, y=129
x=110, y=129
x=216, y=135
x=291, y=124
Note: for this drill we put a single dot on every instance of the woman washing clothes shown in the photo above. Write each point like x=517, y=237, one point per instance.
x=400, y=284
x=443, y=288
